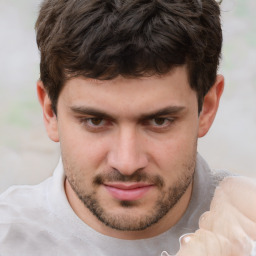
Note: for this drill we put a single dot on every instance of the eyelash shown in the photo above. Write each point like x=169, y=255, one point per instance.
x=167, y=123
x=87, y=122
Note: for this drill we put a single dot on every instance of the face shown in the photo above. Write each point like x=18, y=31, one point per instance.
x=128, y=146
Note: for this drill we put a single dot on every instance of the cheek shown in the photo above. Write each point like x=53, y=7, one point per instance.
x=174, y=152
x=179, y=143
x=81, y=146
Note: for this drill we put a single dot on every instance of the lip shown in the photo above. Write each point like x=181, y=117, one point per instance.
x=128, y=192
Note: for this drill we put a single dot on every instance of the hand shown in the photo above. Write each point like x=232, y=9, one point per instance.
x=229, y=228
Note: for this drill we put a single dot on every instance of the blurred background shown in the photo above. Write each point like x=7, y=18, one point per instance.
x=27, y=156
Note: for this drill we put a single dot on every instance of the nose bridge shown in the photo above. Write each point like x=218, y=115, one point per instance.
x=127, y=154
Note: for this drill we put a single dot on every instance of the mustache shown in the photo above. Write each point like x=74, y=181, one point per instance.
x=138, y=176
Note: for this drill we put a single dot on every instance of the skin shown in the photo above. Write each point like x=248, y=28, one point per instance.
x=129, y=132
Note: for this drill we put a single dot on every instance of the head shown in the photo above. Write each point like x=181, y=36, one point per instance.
x=122, y=83
x=104, y=39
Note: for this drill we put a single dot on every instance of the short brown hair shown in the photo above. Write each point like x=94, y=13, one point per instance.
x=103, y=39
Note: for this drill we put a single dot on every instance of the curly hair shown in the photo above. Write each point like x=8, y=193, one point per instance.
x=103, y=39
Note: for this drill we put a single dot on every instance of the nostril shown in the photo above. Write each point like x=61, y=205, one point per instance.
x=127, y=164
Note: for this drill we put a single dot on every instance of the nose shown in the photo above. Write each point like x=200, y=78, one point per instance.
x=127, y=154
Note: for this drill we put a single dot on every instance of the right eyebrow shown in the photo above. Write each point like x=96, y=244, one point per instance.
x=90, y=112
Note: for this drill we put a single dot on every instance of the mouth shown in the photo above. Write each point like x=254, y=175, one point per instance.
x=128, y=192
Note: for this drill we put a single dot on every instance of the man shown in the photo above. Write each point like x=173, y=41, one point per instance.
x=127, y=88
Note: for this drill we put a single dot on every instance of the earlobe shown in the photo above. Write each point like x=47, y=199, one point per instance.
x=210, y=106
x=50, y=119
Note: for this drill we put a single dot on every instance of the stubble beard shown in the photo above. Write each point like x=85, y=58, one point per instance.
x=166, y=200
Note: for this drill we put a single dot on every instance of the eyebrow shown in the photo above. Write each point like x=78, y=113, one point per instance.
x=170, y=110
x=91, y=112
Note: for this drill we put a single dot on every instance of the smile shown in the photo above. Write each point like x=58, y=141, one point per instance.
x=125, y=192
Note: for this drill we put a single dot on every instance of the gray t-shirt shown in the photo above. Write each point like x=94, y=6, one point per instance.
x=38, y=220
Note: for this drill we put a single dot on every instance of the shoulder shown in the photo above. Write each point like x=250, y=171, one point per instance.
x=24, y=217
x=207, y=176
x=21, y=204
x=19, y=197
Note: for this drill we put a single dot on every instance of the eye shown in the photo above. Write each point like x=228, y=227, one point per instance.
x=159, y=124
x=160, y=121
x=95, y=124
x=95, y=121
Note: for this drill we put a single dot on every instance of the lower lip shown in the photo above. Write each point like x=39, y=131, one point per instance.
x=129, y=194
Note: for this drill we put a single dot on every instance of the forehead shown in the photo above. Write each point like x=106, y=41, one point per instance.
x=130, y=94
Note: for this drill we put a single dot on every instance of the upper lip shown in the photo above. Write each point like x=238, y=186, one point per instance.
x=127, y=186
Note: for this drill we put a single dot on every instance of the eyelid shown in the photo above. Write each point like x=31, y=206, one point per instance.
x=169, y=120
x=160, y=117
x=88, y=116
x=94, y=128
x=91, y=119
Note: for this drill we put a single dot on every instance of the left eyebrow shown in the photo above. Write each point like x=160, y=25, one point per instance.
x=172, y=110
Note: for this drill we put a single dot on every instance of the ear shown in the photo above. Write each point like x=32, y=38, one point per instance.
x=210, y=106
x=50, y=119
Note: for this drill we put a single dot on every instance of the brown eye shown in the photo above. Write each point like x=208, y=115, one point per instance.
x=96, y=124
x=160, y=121
x=96, y=121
